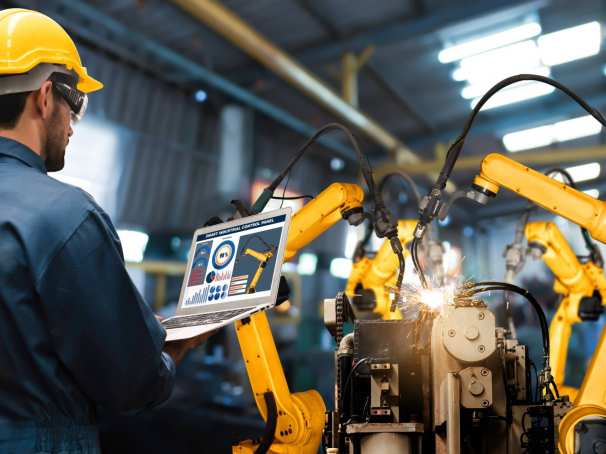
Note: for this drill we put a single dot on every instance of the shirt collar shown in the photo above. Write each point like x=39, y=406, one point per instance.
x=17, y=150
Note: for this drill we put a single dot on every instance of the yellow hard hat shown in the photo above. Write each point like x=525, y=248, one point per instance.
x=29, y=38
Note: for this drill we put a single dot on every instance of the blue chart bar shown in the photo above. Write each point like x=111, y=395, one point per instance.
x=197, y=298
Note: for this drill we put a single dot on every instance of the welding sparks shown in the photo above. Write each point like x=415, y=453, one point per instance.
x=412, y=299
x=434, y=298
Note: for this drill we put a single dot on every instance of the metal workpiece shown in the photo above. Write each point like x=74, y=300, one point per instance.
x=468, y=333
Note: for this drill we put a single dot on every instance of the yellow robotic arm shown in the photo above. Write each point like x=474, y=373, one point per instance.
x=576, y=282
x=338, y=201
x=294, y=420
x=498, y=170
x=263, y=258
x=378, y=274
x=576, y=206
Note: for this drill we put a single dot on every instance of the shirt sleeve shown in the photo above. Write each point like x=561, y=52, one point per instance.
x=104, y=333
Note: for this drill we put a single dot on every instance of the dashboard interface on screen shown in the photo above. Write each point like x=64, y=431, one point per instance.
x=234, y=263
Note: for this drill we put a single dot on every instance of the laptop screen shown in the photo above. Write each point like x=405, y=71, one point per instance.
x=236, y=261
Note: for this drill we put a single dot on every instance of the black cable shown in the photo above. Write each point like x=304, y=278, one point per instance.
x=432, y=203
x=407, y=179
x=364, y=165
x=415, y=191
x=282, y=198
x=486, y=286
x=293, y=198
x=270, y=425
x=455, y=149
x=414, y=249
x=555, y=387
x=349, y=377
x=535, y=393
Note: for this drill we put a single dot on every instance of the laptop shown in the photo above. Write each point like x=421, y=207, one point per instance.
x=233, y=271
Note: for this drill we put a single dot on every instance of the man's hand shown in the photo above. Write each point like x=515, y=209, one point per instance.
x=178, y=348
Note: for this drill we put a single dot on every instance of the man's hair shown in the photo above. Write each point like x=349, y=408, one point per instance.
x=13, y=105
x=11, y=108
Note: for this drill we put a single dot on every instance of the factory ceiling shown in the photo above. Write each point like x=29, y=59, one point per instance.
x=403, y=85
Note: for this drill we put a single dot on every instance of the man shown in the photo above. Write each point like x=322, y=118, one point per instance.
x=76, y=338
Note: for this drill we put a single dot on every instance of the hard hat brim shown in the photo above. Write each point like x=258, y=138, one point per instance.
x=88, y=84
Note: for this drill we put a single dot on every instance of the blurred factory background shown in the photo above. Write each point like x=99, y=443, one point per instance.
x=194, y=115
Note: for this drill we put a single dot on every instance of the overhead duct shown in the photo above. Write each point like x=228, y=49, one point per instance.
x=247, y=39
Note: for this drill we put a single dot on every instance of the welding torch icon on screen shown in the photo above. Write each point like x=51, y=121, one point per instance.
x=263, y=257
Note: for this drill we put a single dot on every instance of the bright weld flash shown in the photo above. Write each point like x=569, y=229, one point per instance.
x=434, y=298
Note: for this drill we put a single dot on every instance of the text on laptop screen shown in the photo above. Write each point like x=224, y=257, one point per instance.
x=234, y=263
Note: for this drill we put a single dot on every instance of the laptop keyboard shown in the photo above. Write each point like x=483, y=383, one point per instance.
x=201, y=319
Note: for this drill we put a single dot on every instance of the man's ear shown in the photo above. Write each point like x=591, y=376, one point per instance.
x=43, y=100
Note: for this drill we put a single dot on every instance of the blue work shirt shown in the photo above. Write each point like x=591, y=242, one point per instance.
x=76, y=337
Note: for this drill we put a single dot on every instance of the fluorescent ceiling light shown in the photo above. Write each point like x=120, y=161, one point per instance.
x=571, y=44
x=524, y=54
x=340, y=267
x=575, y=128
x=528, y=138
x=498, y=73
x=593, y=193
x=555, y=132
x=493, y=41
x=478, y=88
x=516, y=93
x=584, y=172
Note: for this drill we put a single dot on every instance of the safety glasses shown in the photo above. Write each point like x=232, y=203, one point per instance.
x=76, y=100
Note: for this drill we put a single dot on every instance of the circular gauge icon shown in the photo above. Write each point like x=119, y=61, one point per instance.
x=202, y=256
x=210, y=277
x=224, y=254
